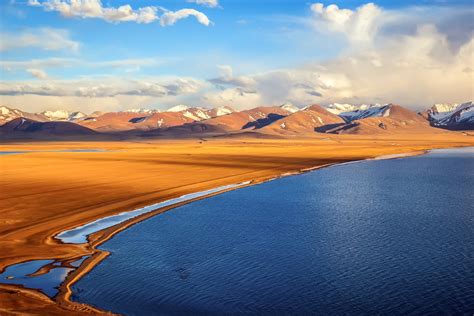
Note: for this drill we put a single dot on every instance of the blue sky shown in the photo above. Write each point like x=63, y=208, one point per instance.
x=245, y=43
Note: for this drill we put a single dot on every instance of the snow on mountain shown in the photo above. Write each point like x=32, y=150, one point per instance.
x=289, y=107
x=222, y=110
x=352, y=112
x=57, y=115
x=193, y=116
x=7, y=114
x=203, y=114
x=178, y=108
x=142, y=111
x=459, y=117
x=76, y=116
x=198, y=113
x=443, y=107
x=63, y=115
x=336, y=108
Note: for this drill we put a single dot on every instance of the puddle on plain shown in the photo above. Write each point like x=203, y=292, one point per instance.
x=52, y=151
x=11, y=152
x=80, y=234
x=47, y=283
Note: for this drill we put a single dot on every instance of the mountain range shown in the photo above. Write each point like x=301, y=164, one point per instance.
x=286, y=120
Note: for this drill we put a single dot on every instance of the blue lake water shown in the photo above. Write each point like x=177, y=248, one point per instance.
x=386, y=236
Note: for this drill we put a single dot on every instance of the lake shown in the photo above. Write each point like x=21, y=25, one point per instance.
x=382, y=236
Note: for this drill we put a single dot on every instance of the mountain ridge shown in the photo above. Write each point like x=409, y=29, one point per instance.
x=285, y=120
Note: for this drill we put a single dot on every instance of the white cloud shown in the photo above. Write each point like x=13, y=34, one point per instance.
x=358, y=26
x=125, y=13
x=412, y=56
x=94, y=9
x=407, y=56
x=170, y=17
x=106, y=87
x=208, y=3
x=43, y=38
x=127, y=64
x=227, y=78
x=38, y=73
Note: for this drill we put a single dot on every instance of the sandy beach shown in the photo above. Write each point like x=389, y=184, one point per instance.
x=46, y=192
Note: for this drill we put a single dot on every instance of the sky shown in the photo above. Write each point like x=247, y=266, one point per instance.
x=112, y=55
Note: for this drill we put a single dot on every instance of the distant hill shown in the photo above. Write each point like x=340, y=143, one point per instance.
x=8, y=114
x=23, y=128
x=304, y=122
x=234, y=122
x=452, y=117
x=142, y=120
x=388, y=119
x=287, y=120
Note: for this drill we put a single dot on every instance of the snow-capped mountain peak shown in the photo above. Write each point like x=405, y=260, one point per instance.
x=142, y=111
x=287, y=106
x=4, y=110
x=443, y=107
x=223, y=110
x=460, y=117
x=178, y=108
x=351, y=112
x=63, y=115
x=57, y=115
x=76, y=116
x=8, y=114
x=336, y=108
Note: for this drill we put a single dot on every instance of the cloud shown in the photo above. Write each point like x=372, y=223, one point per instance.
x=103, y=88
x=38, y=73
x=413, y=56
x=358, y=25
x=134, y=63
x=87, y=9
x=94, y=9
x=170, y=17
x=227, y=78
x=45, y=38
x=207, y=3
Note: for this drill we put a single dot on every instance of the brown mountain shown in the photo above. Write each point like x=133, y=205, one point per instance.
x=394, y=119
x=243, y=121
x=8, y=114
x=306, y=122
x=144, y=121
x=23, y=128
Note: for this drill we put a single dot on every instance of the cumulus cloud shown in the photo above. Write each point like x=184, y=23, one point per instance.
x=414, y=56
x=45, y=38
x=38, y=73
x=358, y=25
x=226, y=78
x=125, y=13
x=171, y=17
x=207, y=3
x=408, y=56
x=272, y=87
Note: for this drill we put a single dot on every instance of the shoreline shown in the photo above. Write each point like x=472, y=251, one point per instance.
x=100, y=237
x=63, y=298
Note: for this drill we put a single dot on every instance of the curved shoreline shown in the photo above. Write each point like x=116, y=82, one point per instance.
x=63, y=299
x=65, y=290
